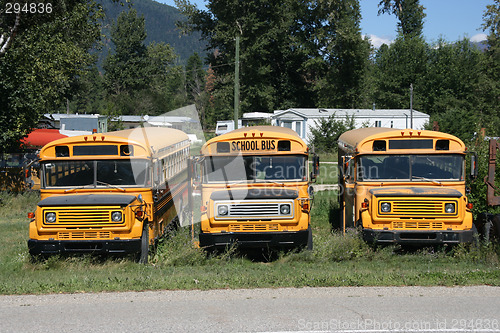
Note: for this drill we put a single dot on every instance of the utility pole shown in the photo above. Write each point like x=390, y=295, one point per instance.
x=411, y=105
x=237, y=82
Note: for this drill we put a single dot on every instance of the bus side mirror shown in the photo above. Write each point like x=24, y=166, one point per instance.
x=473, y=166
x=195, y=170
x=315, y=171
x=344, y=169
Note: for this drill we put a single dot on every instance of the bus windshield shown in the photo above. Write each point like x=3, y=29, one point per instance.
x=99, y=173
x=255, y=168
x=411, y=167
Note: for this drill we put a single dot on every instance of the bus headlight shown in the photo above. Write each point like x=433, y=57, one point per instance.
x=222, y=210
x=116, y=216
x=50, y=217
x=385, y=207
x=285, y=209
x=449, y=208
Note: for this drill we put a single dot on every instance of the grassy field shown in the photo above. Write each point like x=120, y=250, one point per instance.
x=335, y=261
x=328, y=173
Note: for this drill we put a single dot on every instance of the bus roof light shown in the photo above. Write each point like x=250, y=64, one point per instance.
x=261, y=135
x=31, y=215
x=253, y=134
x=402, y=133
x=244, y=134
x=419, y=132
x=85, y=138
x=102, y=138
x=94, y=137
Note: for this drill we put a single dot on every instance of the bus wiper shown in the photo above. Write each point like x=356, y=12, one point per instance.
x=269, y=181
x=111, y=186
x=236, y=183
x=78, y=188
x=427, y=179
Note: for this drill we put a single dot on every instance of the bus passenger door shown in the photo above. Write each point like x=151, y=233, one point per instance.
x=348, y=195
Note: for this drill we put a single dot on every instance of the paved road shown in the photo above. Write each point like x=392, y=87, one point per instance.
x=410, y=309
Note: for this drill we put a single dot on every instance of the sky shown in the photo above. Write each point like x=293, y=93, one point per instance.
x=449, y=19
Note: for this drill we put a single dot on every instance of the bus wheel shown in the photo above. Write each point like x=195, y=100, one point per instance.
x=142, y=256
x=495, y=228
x=309, y=239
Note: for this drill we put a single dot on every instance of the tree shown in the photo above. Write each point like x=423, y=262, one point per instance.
x=396, y=67
x=270, y=56
x=326, y=132
x=453, y=79
x=141, y=79
x=125, y=68
x=165, y=80
x=404, y=62
x=409, y=13
x=491, y=85
x=341, y=52
x=195, y=85
x=42, y=54
x=293, y=53
x=462, y=123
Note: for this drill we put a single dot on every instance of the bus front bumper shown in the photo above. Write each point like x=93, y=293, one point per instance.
x=287, y=239
x=417, y=237
x=37, y=247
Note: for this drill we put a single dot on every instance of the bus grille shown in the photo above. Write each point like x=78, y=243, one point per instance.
x=84, y=217
x=251, y=209
x=255, y=210
x=417, y=225
x=84, y=235
x=420, y=208
x=252, y=227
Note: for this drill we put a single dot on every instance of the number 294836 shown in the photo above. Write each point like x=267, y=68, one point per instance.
x=28, y=8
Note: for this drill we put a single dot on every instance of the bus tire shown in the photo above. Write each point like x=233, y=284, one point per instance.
x=495, y=228
x=309, y=239
x=142, y=256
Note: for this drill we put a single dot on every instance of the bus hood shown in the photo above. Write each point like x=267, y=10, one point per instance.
x=88, y=200
x=415, y=191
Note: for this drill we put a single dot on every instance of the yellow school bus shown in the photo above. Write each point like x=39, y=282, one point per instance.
x=256, y=189
x=110, y=193
x=404, y=186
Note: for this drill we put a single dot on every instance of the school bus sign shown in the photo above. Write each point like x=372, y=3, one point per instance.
x=253, y=145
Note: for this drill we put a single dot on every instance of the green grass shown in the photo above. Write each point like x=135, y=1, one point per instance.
x=336, y=260
x=328, y=157
x=328, y=174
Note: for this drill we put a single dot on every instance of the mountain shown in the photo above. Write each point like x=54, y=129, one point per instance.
x=482, y=45
x=160, y=27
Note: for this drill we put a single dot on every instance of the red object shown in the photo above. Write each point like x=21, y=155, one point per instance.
x=41, y=136
x=469, y=205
